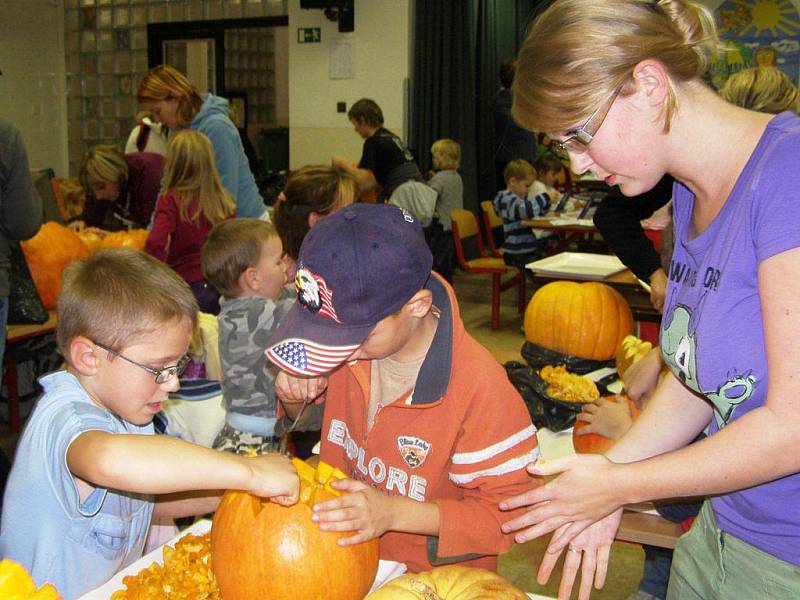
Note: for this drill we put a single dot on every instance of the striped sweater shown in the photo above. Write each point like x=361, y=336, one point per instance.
x=519, y=238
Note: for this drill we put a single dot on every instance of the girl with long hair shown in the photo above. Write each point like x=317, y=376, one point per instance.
x=193, y=202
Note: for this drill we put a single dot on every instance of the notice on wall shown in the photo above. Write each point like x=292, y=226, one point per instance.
x=342, y=60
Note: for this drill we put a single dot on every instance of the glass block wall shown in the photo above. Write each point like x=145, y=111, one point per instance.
x=106, y=56
x=250, y=66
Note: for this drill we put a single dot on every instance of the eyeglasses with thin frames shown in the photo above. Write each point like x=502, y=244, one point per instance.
x=578, y=142
x=162, y=375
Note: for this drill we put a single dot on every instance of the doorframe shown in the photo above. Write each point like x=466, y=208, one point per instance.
x=158, y=33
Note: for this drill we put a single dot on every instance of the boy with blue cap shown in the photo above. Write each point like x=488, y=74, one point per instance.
x=419, y=415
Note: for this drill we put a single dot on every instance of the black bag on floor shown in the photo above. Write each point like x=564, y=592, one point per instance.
x=537, y=357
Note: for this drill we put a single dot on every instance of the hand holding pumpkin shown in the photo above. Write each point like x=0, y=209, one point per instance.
x=641, y=377
x=586, y=490
x=299, y=390
x=273, y=476
x=610, y=417
x=364, y=510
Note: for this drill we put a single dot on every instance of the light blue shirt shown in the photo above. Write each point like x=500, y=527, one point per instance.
x=75, y=546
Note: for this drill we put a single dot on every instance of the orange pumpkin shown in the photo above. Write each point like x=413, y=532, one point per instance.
x=135, y=238
x=592, y=443
x=91, y=239
x=47, y=253
x=16, y=584
x=630, y=351
x=587, y=320
x=450, y=582
x=261, y=549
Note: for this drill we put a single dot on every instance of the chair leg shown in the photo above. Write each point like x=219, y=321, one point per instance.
x=13, y=394
x=496, y=301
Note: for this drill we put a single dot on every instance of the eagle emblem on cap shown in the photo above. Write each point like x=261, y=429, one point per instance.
x=414, y=450
x=314, y=294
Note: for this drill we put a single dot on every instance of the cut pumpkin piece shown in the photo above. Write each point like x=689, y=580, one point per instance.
x=16, y=584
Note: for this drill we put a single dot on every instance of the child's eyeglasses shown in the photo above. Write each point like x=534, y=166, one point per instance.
x=163, y=375
x=582, y=136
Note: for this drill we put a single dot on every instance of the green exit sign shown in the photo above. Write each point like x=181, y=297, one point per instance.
x=309, y=35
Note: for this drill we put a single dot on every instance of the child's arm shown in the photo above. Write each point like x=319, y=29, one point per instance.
x=149, y=464
x=165, y=221
x=364, y=177
x=187, y=504
x=609, y=418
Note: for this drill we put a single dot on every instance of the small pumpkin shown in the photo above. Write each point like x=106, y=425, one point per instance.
x=593, y=443
x=630, y=351
x=452, y=582
x=16, y=584
x=135, y=238
x=260, y=549
x=587, y=320
x=47, y=253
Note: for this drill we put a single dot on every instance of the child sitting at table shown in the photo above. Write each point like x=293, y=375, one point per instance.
x=89, y=474
x=512, y=204
x=243, y=259
x=548, y=169
x=446, y=159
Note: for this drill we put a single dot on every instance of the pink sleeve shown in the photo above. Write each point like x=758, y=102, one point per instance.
x=165, y=221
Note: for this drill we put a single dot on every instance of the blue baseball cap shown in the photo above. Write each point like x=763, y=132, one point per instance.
x=356, y=267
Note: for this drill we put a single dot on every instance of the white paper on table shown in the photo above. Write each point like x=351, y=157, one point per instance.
x=387, y=569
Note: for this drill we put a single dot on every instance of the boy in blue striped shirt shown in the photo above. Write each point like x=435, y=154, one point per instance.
x=512, y=204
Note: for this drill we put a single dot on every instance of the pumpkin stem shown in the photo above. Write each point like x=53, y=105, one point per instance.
x=425, y=590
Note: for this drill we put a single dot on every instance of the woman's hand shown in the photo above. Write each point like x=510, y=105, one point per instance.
x=586, y=489
x=609, y=417
x=589, y=550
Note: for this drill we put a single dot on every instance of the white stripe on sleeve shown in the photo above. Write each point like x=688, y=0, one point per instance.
x=470, y=458
x=507, y=467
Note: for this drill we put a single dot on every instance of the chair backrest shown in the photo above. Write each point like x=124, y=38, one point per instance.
x=466, y=236
x=493, y=225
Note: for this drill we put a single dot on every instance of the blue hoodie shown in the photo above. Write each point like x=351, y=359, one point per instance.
x=212, y=120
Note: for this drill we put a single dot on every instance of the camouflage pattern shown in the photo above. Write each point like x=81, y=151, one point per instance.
x=245, y=325
x=241, y=442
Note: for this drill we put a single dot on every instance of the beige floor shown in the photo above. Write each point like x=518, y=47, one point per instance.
x=521, y=563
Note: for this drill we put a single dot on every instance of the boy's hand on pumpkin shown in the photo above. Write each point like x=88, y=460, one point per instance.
x=364, y=510
x=610, y=418
x=273, y=476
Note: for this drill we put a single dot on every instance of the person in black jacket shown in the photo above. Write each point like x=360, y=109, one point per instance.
x=618, y=220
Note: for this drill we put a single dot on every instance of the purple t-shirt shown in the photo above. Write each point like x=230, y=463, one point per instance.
x=712, y=332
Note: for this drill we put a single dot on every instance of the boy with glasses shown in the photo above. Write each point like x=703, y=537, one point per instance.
x=89, y=474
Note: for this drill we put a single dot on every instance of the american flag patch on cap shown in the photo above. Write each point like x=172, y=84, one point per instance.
x=304, y=358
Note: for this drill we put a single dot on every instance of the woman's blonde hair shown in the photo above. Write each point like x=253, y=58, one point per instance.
x=446, y=155
x=191, y=172
x=167, y=83
x=103, y=164
x=579, y=52
x=312, y=189
x=766, y=89
x=117, y=295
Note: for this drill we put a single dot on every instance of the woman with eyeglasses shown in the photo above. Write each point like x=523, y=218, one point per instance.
x=617, y=84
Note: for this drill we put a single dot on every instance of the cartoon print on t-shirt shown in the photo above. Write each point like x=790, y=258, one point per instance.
x=679, y=347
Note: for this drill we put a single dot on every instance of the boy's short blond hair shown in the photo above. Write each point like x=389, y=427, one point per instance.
x=519, y=170
x=118, y=295
x=446, y=155
x=230, y=248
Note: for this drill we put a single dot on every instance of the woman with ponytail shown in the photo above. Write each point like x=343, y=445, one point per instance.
x=617, y=84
